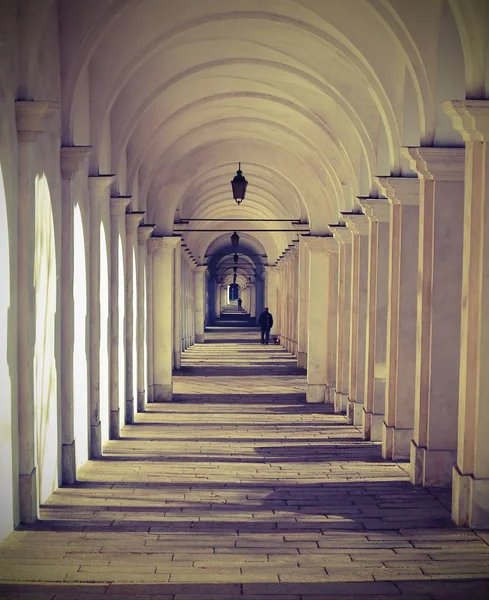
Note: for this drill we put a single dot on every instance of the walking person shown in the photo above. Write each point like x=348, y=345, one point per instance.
x=265, y=321
x=240, y=303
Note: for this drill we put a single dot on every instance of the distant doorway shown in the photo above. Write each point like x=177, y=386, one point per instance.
x=233, y=292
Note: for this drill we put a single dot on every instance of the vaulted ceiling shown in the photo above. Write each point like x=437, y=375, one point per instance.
x=314, y=97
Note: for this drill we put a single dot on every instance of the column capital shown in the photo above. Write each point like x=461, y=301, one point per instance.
x=341, y=234
x=320, y=244
x=99, y=184
x=200, y=269
x=118, y=205
x=401, y=190
x=376, y=209
x=133, y=219
x=144, y=231
x=437, y=164
x=72, y=159
x=29, y=116
x=469, y=117
x=159, y=244
x=357, y=223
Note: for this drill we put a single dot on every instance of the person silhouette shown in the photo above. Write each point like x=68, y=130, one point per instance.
x=240, y=302
x=265, y=321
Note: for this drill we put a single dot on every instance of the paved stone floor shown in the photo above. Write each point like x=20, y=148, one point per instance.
x=238, y=489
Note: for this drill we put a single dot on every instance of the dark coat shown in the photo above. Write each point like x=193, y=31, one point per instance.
x=265, y=321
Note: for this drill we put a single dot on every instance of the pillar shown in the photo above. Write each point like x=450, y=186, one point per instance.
x=200, y=281
x=29, y=117
x=117, y=309
x=99, y=190
x=144, y=231
x=378, y=212
x=302, y=307
x=132, y=223
x=434, y=447
x=163, y=294
x=252, y=288
x=321, y=277
x=359, y=227
x=403, y=196
x=150, y=247
x=72, y=160
x=177, y=308
x=470, y=492
x=343, y=321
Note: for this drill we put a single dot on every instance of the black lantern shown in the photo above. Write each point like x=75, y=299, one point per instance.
x=235, y=258
x=234, y=240
x=239, y=185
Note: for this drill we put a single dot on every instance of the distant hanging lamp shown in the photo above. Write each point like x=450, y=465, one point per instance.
x=235, y=269
x=235, y=258
x=234, y=240
x=239, y=185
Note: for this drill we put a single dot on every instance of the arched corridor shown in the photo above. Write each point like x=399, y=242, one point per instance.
x=171, y=172
x=239, y=488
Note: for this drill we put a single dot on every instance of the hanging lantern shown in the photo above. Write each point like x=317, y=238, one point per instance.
x=234, y=240
x=239, y=185
x=235, y=258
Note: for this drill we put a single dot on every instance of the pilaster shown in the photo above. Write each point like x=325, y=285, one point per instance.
x=470, y=498
x=144, y=231
x=403, y=194
x=99, y=191
x=118, y=206
x=302, y=309
x=433, y=449
x=359, y=226
x=163, y=290
x=378, y=212
x=132, y=223
x=178, y=312
x=199, y=284
x=343, y=322
x=29, y=116
x=72, y=160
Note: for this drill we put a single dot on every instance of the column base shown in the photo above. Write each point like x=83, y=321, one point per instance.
x=315, y=393
x=177, y=360
x=129, y=416
x=150, y=393
x=330, y=394
x=340, y=401
x=96, y=440
x=28, y=500
x=372, y=426
x=141, y=401
x=396, y=443
x=199, y=338
x=350, y=411
x=114, y=425
x=470, y=501
x=163, y=392
x=431, y=467
x=354, y=413
x=68, y=463
x=301, y=360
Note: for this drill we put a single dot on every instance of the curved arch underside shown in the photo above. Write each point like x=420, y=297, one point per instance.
x=309, y=95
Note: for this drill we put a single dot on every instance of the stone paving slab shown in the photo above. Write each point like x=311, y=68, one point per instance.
x=238, y=489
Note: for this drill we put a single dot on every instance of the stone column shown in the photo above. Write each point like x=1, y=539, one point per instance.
x=271, y=282
x=132, y=223
x=72, y=160
x=470, y=498
x=199, y=282
x=434, y=447
x=177, y=308
x=117, y=310
x=252, y=288
x=302, y=309
x=99, y=190
x=144, y=231
x=378, y=212
x=331, y=305
x=163, y=295
x=343, y=236
x=321, y=275
x=150, y=247
x=29, y=117
x=359, y=227
x=403, y=196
